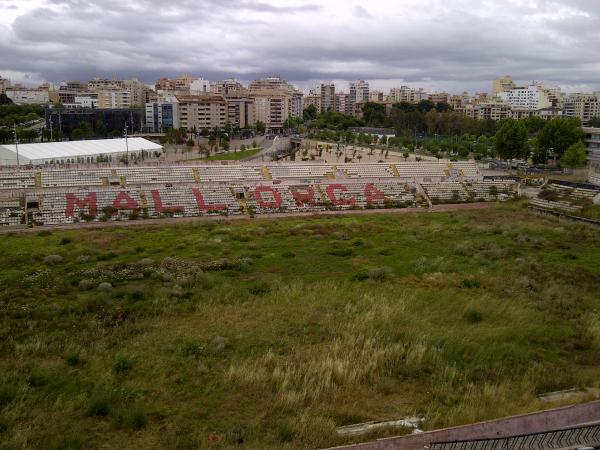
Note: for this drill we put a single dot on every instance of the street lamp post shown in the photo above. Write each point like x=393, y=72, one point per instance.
x=17, y=146
x=126, y=147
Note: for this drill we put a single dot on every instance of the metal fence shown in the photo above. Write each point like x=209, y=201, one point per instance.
x=554, y=439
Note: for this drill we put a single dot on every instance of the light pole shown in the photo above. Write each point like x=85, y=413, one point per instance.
x=126, y=147
x=16, y=145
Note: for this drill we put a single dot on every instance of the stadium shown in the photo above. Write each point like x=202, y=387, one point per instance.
x=58, y=196
x=309, y=321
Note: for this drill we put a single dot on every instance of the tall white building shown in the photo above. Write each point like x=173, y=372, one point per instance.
x=199, y=86
x=407, y=94
x=359, y=92
x=533, y=96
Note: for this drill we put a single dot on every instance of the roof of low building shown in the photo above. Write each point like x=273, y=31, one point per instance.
x=71, y=149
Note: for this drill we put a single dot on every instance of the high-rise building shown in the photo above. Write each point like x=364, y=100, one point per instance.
x=359, y=92
x=179, y=84
x=327, y=97
x=199, y=86
x=162, y=115
x=240, y=111
x=228, y=87
x=503, y=84
x=4, y=85
x=583, y=106
x=202, y=111
x=275, y=100
x=342, y=103
x=313, y=98
x=407, y=94
x=114, y=99
x=529, y=97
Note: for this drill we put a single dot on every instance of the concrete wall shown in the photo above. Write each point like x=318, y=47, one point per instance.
x=510, y=426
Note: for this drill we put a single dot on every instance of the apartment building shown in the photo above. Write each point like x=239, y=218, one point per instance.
x=229, y=87
x=114, y=99
x=327, y=97
x=532, y=97
x=592, y=148
x=202, y=111
x=275, y=100
x=137, y=91
x=494, y=110
x=241, y=111
x=376, y=96
x=4, y=85
x=503, y=84
x=407, y=94
x=440, y=97
x=359, y=92
x=583, y=106
x=104, y=84
x=313, y=98
x=162, y=116
x=342, y=103
x=199, y=86
x=24, y=96
x=182, y=83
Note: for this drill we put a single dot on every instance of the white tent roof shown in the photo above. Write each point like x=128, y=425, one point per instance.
x=60, y=150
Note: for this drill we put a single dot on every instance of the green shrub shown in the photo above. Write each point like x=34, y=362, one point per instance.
x=37, y=377
x=285, y=433
x=73, y=359
x=259, y=288
x=65, y=241
x=473, y=315
x=7, y=395
x=123, y=364
x=45, y=233
x=470, y=283
x=98, y=408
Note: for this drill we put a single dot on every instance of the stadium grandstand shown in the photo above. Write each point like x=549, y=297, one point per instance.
x=58, y=196
x=74, y=152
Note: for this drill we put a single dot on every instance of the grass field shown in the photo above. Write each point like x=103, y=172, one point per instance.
x=270, y=333
x=233, y=156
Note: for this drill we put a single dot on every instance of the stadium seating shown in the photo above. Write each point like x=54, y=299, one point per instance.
x=58, y=196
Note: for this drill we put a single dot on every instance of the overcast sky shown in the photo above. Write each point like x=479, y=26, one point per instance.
x=452, y=45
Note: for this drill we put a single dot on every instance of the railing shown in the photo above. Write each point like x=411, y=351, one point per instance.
x=554, y=439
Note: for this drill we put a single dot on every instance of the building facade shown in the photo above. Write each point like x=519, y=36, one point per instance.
x=162, y=116
x=22, y=96
x=202, y=111
x=327, y=97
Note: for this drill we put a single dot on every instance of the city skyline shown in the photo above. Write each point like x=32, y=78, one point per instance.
x=441, y=46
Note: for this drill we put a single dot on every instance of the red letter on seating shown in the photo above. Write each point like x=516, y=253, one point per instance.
x=330, y=190
x=274, y=204
x=307, y=197
x=158, y=205
x=373, y=194
x=88, y=202
x=202, y=206
x=124, y=201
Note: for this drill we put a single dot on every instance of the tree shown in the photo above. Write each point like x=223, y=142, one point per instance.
x=4, y=100
x=511, y=139
x=574, y=156
x=260, y=127
x=558, y=135
x=309, y=113
x=595, y=122
x=190, y=143
x=374, y=114
x=100, y=129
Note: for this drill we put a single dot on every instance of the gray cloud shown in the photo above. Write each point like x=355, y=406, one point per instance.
x=453, y=44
